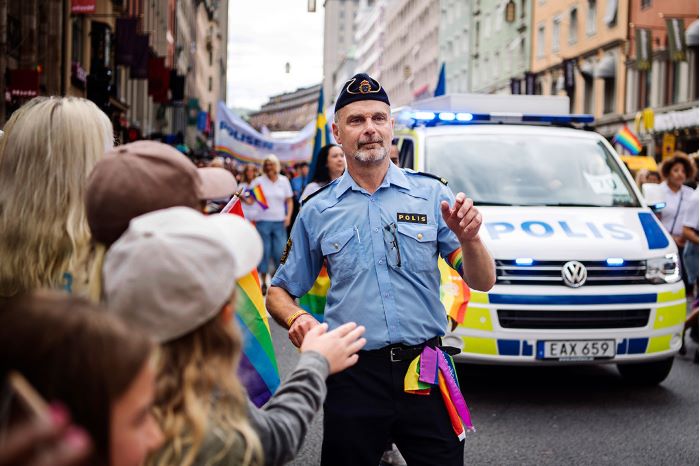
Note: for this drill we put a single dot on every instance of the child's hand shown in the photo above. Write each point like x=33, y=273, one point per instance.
x=338, y=346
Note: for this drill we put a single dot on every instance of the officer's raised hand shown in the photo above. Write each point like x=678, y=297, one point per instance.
x=462, y=218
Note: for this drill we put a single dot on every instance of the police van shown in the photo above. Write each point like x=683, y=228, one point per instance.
x=585, y=271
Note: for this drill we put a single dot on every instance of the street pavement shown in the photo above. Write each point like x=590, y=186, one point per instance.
x=560, y=415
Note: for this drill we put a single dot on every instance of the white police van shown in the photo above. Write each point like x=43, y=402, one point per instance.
x=585, y=271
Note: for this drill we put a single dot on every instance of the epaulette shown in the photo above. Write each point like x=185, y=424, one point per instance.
x=430, y=175
x=306, y=199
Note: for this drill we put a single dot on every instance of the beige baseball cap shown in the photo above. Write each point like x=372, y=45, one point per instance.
x=174, y=269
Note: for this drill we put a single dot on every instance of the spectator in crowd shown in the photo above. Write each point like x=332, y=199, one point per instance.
x=675, y=172
x=74, y=353
x=330, y=165
x=394, y=152
x=172, y=274
x=300, y=180
x=138, y=178
x=50, y=147
x=275, y=217
x=653, y=177
x=690, y=234
x=250, y=210
x=644, y=175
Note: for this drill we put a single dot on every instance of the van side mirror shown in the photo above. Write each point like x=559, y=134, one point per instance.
x=654, y=196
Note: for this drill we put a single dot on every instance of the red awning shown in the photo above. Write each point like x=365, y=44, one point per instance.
x=83, y=6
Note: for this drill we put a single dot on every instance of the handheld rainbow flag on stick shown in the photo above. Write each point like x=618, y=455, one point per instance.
x=258, y=368
x=627, y=139
x=259, y=196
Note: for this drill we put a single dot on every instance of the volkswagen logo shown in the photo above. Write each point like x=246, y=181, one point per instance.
x=574, y=274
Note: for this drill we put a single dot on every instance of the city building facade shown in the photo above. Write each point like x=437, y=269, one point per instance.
x=410, y=66
x=500, y=45
x=454, y=40
x=338, y=38
x=290, y=111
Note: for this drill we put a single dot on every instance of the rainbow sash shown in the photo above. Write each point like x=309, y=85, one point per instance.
x=435, y=367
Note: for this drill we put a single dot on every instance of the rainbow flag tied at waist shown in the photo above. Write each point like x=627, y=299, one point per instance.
x=435, y=367
x=258, y=367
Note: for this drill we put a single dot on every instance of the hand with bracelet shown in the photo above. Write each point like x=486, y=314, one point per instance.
x=299, y=324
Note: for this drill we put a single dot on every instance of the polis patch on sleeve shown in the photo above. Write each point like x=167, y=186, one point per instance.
x=285, y=254
x=412, y=218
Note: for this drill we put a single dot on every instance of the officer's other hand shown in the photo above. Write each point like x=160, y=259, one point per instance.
x=51, y=442
x=462, y=218
x=301, y=325
x=339, y=346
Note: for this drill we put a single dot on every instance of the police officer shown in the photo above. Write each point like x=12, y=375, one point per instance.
x=380, y=230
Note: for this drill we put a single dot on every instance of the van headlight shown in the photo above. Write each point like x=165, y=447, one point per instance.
x=664, y=269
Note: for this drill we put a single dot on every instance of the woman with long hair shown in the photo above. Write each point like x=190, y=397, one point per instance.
x=172, y=274
x=330, y=165
x=74, y=353
x=250, y=209
x=48, y=151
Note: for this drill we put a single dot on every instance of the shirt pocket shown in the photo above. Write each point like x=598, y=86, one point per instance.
x=341, y=250
x=418, y=245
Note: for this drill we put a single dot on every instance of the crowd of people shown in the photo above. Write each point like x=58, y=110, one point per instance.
x=117, y=300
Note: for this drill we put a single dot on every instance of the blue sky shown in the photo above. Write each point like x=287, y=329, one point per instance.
x=263, y=36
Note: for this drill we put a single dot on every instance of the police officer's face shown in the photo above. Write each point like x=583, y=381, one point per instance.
x=365, y=130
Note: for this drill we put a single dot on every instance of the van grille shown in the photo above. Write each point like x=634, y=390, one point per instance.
x=527, y=319
x=549, y=273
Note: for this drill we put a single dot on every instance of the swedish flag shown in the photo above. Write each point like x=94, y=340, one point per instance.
x=322, y=137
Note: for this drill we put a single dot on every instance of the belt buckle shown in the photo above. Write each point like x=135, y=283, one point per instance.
x=393, y=356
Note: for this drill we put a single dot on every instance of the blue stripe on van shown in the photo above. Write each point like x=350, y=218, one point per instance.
x=571, y=299
x=656, y=239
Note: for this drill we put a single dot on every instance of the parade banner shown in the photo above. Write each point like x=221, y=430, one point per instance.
x=236, y=138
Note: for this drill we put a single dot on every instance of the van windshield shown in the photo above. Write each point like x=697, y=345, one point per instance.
x=514, y=169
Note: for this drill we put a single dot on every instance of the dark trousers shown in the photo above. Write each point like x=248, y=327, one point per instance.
x=366, y=407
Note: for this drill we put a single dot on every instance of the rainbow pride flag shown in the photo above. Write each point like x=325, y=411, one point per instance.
x=258, y=367
x=314, y=302
x=259, y=197
x=627, y=139
x=454, y=293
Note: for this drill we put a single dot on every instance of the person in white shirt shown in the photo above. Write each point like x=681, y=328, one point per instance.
x=690, y=234
x=676, y=171
x=250, y=209
x=272, y=221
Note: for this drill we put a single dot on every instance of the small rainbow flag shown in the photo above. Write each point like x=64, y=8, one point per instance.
x=259, y=197
x=454, y=293
x=258, y=367
x=627, y=139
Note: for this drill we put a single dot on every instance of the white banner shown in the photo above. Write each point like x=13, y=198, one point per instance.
x=237, y=139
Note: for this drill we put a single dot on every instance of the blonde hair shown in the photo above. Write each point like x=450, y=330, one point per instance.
x=198, y=391
x=273, y=158
x=50, y=147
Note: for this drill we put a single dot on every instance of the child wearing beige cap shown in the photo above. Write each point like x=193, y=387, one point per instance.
x=172, y=274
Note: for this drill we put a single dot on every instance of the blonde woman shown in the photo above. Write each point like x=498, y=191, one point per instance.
x=171, y=274
x=49, y=148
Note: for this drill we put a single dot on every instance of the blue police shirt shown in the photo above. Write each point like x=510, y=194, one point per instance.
x=394, y=294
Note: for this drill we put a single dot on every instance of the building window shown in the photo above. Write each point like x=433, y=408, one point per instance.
x=588, y=97
x=487, y=26
x=211, y=84
x=591, y=18
x=556, y=32
x=523, y=8
x=476, y=37
x=643, y=89
x=540, y=41
x=573, y=26
x=77, y=39
x=693, y=80
x=646, y=4
x=609, y=96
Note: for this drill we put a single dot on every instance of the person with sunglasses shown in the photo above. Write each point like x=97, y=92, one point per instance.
x=380, y=230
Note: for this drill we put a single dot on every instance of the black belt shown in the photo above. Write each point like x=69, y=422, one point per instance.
x=398, y=353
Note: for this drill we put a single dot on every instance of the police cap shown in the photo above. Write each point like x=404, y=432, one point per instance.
x=361, y=87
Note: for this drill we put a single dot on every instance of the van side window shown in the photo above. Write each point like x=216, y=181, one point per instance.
x=406, y=153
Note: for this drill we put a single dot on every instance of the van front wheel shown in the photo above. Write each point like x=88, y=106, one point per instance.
x=646, y=373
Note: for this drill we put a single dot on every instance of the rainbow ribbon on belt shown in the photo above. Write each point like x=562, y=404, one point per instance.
x=434, y=367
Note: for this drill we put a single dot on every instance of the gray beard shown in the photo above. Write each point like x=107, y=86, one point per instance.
x=371, y=155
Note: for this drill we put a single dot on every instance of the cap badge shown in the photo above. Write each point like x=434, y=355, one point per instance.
x=365, y=87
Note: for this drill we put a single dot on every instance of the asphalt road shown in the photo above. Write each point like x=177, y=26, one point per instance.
x=561, y=415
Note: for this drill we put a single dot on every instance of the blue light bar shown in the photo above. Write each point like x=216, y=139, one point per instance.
x=524, y=261
x=615, y=261
x=432, y=118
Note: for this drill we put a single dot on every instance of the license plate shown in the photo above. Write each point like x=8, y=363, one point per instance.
x=576, y=350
